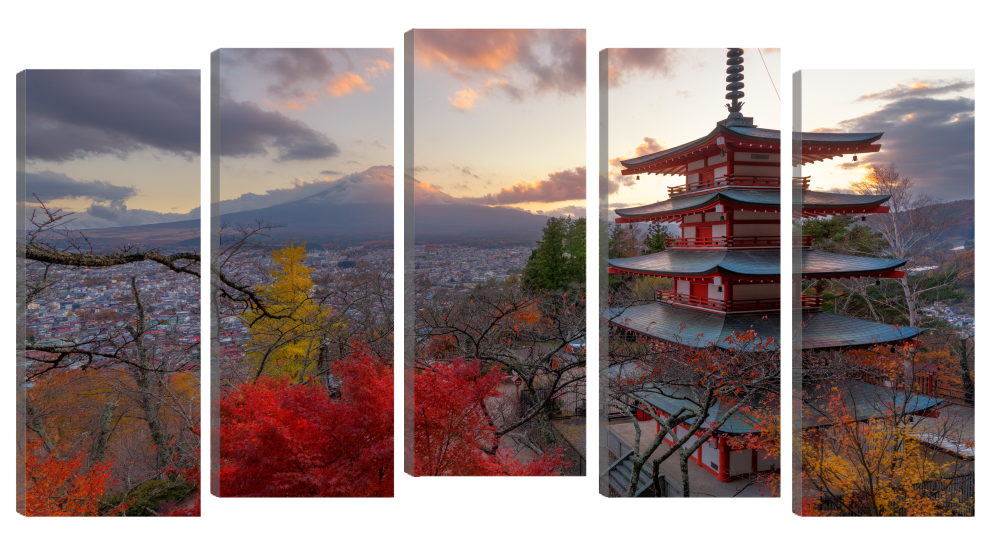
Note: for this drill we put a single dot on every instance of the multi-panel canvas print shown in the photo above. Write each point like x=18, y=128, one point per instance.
x=884, y=282
x=108, y=306
x=302, y=248
x=690, y=272
x=495, y=254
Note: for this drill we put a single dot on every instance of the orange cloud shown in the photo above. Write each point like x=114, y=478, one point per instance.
x=487, y=50
x=380, y=66
x=541, y=60
x=464, y=99
x=346, y=83
x=649, y=145
x=566, y=185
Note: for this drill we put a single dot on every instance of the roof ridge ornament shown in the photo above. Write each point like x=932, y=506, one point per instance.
x=735, y=80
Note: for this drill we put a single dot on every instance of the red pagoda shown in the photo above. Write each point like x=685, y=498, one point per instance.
x=725, y=265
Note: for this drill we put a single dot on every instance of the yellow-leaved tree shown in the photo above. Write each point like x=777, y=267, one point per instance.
x=288, y=343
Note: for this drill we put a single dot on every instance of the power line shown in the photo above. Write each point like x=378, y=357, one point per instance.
x=768, y=73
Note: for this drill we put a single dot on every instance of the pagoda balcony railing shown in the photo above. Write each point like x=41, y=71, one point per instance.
x=674, y=298
x=735, y=241
x=800, y=182
x=725, y=181
x=812, y=302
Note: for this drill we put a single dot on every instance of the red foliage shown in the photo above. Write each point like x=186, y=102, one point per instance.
x=284, y=440
x=453, y=431
x=64, y=487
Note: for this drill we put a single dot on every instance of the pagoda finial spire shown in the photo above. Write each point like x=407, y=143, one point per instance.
x=735, y=79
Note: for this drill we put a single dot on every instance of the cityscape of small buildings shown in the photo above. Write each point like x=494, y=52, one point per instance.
x=83, y=303
x=461, y=268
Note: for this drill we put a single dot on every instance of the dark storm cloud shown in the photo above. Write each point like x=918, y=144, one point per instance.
x=931, y=140
x=108, y=202
x=288, y=69
x=71, y=114
x=113, y=216
x=248, y=130
x=919, y=89
x=49, y=186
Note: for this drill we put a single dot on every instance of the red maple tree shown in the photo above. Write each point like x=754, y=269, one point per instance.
x=453, y=432
x=279, y=439
x=63, y=486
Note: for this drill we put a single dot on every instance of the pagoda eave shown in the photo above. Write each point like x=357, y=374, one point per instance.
x=888, y=274
x=816, y=153
x=815, y=212
x=674, y=162
x=711, y=274
x=677, y=218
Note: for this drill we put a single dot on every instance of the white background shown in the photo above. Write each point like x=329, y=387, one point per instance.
x=814, y=35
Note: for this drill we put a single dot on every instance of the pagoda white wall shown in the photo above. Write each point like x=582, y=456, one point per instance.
x=774, y=156
x=750, y=230
x=714, y=293
x=698, y=164
x=692, y=178
x=743, y=292
x=710, y=455
x=717, y=159
x=720, y=172
x=684, y=287
x=690, y=219
x=690, y=232
x=740, y=462
x=761, y=171
x=719, y=230
x=754, y=215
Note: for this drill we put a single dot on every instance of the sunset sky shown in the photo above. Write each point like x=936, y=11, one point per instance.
x=500, y=118
x=115, y=147
x=928, y=118
x=661, y=98
x=298, y=121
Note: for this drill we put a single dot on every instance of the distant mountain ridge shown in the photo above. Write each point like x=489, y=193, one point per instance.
x=318, y=219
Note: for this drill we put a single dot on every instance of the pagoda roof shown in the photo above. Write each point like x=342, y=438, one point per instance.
x=866, y=400
x=692, y=327
x=816, y=263
x=815, y=146
x=673, y=398
x=809, y=199
x=700, y=329
x=768, y=198
x=822, y=329
x=757, y=263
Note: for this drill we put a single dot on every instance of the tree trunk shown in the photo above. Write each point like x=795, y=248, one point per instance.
x=911, y=301
x=685, y=478
x=148, y=383
x=103, y=434
x=968, y=386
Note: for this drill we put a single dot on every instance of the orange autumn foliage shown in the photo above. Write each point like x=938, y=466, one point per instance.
x=64, y=487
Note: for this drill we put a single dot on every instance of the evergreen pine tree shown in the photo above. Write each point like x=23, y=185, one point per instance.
x=656, y=238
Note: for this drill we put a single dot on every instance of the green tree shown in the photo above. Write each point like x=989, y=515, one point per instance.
x=559, y=261
x=656, y=238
